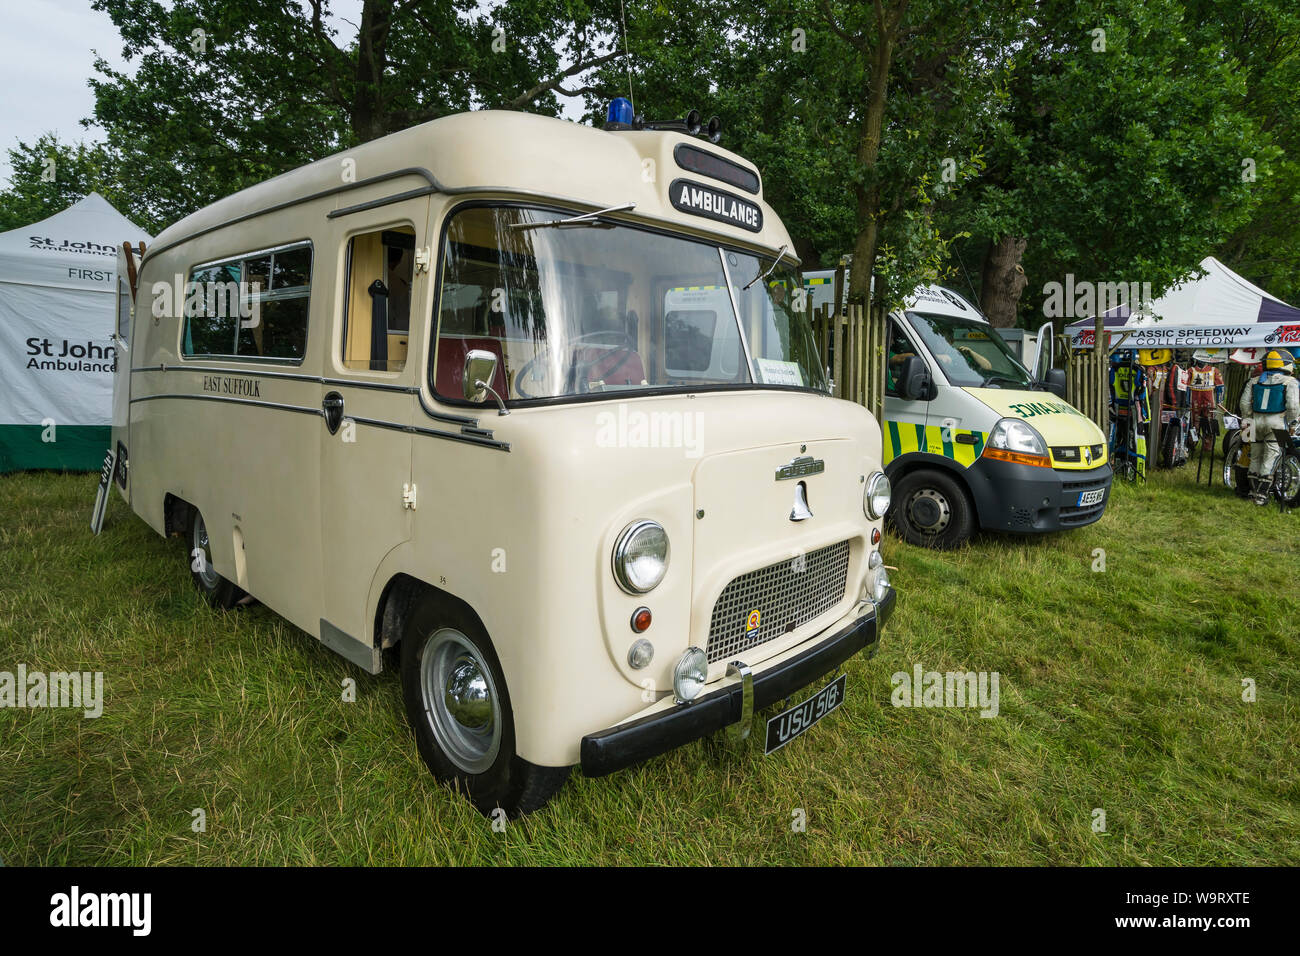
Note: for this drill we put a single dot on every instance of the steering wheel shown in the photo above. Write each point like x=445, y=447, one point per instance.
x=578, y=371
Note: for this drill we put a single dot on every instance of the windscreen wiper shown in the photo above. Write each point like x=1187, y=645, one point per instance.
x=775, y=262
x=989, y=379
x=586, y=219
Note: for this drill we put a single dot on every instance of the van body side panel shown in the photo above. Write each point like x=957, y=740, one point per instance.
x=365, y=465
x=234, y=436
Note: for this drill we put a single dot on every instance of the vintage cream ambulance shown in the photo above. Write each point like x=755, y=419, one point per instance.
x=533, y=402
x=972, y=439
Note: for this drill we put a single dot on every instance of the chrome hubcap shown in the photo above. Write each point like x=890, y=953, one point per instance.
x=460, y=701
x=208, y=574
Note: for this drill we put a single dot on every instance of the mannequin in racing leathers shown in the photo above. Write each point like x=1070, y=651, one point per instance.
x=1270, y=400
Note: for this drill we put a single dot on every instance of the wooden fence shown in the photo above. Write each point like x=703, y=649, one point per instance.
x=1087, y=377
x=852, y=344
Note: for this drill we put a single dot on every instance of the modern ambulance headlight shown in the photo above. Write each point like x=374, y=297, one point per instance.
x=641, y=557
x=876, y=498
x=1011, y=434
x=689, y=675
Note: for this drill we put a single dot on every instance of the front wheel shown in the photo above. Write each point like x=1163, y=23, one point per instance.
x=932, y=510
x=459, y=708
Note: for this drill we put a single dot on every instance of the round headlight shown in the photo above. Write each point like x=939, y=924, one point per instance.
x=882, y=585
x=641, y=557
x=689, y=675
x=875, y=500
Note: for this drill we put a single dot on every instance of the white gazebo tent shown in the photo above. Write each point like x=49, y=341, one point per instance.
x=1219, y=310
x=57, y=309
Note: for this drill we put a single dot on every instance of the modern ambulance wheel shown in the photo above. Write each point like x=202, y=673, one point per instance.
x=459, y=708
x=216, y=590
x=932, y=510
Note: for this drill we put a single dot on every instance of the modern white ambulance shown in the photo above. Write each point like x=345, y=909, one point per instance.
x=971, y=439
x=532, y=402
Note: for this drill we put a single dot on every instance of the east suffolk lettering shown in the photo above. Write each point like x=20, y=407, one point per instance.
x=698, y=199
x=228, y=385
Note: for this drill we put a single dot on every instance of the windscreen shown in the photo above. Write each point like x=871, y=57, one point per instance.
x=597, y=306
x=971, y=354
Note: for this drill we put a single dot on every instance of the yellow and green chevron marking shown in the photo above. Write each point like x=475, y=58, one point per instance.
x=902, y=438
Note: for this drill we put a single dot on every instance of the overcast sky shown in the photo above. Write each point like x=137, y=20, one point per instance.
x=47, y=54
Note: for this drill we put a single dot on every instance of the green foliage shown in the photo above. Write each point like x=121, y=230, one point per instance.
x=1118, y=153
x=48, y=176
x=1006, y=118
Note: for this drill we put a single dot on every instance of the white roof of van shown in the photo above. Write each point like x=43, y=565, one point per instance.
x=938, y=300
x=925, y=298
x=511, y=154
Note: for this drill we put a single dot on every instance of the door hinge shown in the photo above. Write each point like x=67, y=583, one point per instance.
x=422, y=259
x=408, y=496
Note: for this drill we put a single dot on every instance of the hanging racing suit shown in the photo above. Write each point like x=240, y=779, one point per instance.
x=1270, y=400
x=1130, y=415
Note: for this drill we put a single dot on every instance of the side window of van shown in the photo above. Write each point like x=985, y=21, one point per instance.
x=251, y=307
x=899, y=349
x=377, y=306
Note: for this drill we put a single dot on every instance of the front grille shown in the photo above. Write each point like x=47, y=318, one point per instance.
x=1074, y=453
x=785, y=595
x=1074, y=515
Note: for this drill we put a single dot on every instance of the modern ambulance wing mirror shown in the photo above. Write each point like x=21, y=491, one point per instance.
x=480, y=367
x=917, y=384
x=1055, y=381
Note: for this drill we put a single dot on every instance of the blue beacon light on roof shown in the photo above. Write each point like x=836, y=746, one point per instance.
x=620, y=111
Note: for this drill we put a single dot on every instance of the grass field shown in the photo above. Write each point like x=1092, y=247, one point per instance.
x=1120, y=690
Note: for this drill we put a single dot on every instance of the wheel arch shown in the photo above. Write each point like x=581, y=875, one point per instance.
x=904, y=465
x=398, y=596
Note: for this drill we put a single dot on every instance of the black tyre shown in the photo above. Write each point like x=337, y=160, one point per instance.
x=216, y=590
x=459, y=708
x=932, y=510
x=1286, y=481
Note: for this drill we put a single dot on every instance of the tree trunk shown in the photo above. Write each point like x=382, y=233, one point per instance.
x=1003, y=280
x=868, y=192
x=367, y=114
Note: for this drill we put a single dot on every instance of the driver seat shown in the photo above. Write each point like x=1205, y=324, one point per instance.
x=615, y=365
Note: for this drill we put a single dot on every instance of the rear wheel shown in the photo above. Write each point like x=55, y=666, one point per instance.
x=932, y=510
x=1286, y=480
x=216, y=590
x=459, y=708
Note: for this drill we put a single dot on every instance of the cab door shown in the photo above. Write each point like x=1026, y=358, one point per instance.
x=367, y=395
x=904, y=429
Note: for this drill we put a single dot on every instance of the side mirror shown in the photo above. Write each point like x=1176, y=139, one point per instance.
x=916, y=381
x=480, y=367
x=1055, y=381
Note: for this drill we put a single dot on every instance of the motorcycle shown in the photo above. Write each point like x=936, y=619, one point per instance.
x=1236, y=463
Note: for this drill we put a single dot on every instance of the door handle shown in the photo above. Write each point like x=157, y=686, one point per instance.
x=332, y=406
